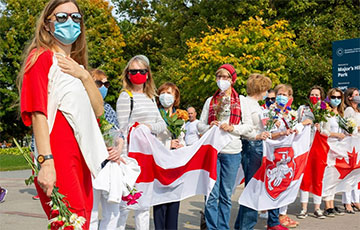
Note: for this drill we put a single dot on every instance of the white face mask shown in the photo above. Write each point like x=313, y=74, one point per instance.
x=223, y=84
x=166, y=100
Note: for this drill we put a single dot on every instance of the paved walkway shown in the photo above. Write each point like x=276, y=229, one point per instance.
x=19, y=211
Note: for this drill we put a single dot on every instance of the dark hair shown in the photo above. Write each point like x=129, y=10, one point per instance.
x=348, y=93
x=341, y=106
x=321, y=89
x=171, y=85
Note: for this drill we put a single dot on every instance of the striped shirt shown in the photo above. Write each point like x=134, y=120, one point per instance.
x=144, y=111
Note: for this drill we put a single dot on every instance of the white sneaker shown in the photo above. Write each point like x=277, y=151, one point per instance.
x=319, y=214
x=263, y=215
x=302, y=215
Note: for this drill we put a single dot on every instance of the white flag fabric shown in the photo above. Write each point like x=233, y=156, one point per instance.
x=333, y=165
x=343, y=171
x=277, y=181
x=173, y=175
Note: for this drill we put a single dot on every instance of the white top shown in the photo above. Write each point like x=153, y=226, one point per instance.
x=192, y=133
x=235, y=146
x=67, y=94
x=331, y=126
x=250, y=115
x=144, y=111
x=351, y=113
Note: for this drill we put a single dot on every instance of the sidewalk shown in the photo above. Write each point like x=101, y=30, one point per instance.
x=19, y=211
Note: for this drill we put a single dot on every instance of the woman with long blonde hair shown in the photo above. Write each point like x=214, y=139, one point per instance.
x=61, y=101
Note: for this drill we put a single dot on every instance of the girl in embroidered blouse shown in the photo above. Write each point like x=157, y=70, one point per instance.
x=58, y=49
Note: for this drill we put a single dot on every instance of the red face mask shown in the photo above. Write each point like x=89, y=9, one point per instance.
x=138, y=78
x=314, y=100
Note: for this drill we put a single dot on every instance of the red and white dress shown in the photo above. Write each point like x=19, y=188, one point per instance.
x=75, y=139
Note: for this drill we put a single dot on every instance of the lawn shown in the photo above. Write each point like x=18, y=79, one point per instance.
x=10, y=159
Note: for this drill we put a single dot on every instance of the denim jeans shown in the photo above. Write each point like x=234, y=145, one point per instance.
x=218, y=206
x=251, y=161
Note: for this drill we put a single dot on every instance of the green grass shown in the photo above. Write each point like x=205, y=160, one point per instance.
x=9, y=162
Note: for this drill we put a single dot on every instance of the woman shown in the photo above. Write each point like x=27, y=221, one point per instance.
x=110, y=211
x=352, y=101
x=332, y=130
x=223, y=110
x=55, y=92
x=136, y=103
x=252, y=153
x=316, y=94
x=166, y=215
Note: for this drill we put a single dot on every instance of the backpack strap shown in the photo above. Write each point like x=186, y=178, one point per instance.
x=131, y=100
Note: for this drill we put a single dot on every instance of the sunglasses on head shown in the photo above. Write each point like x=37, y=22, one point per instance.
x=270, y=99
x=135, y=71
x=100, y=83
x=62, y=17
x=335, y=97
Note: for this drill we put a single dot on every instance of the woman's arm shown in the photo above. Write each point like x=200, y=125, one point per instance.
x=47, y=175
x=202, y=125
x=71, y=67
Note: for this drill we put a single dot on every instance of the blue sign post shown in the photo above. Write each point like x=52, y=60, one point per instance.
x=346, y=63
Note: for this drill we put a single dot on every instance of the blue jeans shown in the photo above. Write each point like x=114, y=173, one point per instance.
x=218, y=206
x=251, y=161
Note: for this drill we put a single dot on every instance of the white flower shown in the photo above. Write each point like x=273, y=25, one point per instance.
x=73, y=218
x=293, y=113
x=79, y=222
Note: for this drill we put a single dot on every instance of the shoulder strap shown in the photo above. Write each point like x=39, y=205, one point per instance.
x=131, y=100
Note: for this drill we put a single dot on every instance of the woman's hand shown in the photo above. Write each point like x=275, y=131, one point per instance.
x=115, y=152
x=277, y=123
x=214, y=123
x=226, y=127
x=340, y=136
x=317, y=126
x=307, y=122
x=71, y=67
x=47, y=177
x=175, y=144
x=262, y=136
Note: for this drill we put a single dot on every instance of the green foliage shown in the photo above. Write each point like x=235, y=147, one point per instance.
x=12, y=159
x=174, y=123
x=291, y=44
x=252, y=47
x=18, y=19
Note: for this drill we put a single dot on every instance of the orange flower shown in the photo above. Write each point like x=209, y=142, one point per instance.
x=182, y=114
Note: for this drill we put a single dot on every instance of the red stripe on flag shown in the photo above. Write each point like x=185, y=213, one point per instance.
x=204, y=159
x=316, y=164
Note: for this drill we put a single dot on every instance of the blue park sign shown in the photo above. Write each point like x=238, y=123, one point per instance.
x=346, y=63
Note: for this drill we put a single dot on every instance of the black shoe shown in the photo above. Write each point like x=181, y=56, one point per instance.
x=329, y=212
x=356, y=209
x=338, y=211
x=202, y=221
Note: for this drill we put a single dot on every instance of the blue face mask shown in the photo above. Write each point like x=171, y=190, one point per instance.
x=335, y=102
x=103, y=90
x=264, y=97
x=281, y=100
x=67, y=32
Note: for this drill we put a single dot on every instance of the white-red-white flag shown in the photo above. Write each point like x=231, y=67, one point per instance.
x=333, y=165
x=173, y=175
x=277, y=181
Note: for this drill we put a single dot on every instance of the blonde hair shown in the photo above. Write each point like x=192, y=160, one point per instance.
x=149, y=85
x=284, y=87
x=341, y=106
x=257, y=83
x=97, y=74
x=43, y=41
x=223, y=71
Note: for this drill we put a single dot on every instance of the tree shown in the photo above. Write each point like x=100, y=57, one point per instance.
x=251, y=47
x=105, y=46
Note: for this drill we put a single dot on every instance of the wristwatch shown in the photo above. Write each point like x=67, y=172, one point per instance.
x=42, y=158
